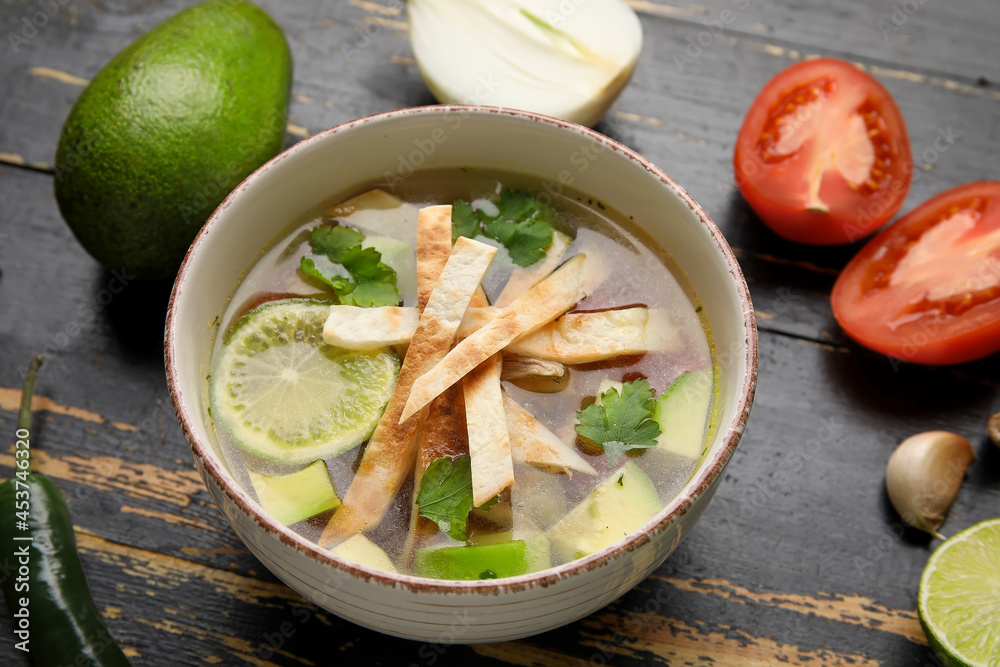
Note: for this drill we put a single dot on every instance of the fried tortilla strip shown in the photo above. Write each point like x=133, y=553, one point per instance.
x=522, y=279
x=541, y=304
x=536, y=445
x=443, y=434
x=574, y=338
x=489, y=442
x=580, y=338
x=391, y=451
x=357, y=328
x=433, y=249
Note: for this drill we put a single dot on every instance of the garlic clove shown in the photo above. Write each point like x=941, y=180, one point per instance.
x=564, y=59
x=994, y=426
x=923, y=477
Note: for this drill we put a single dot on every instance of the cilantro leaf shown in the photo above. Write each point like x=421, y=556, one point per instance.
x=464, y=220
x=522, y=224
x=335, y=242
x=621, y=422
x=369, y=282
x=445, y=495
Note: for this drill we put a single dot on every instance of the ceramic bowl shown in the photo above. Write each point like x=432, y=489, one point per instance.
x=388, y=146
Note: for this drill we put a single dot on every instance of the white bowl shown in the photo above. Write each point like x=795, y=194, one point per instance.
x=389, y=145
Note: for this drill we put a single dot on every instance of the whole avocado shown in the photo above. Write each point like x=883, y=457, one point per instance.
x=167, y=129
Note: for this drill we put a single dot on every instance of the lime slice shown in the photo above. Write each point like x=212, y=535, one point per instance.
x=283, y=394
x=959, y=601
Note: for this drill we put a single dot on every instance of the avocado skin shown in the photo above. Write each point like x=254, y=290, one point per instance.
x=167, y=129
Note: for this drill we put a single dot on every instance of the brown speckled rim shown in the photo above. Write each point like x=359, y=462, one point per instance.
x=698, y=485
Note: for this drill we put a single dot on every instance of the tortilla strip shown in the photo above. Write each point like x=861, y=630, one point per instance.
x=522, y=279
x=580, y=338
x=536, y=445
x=391, y=451
x=489, y=442
x=357, y=328
x=443, y=434
x=433, y=249
x=541, y=304
x=516, y=367
x=574, y=338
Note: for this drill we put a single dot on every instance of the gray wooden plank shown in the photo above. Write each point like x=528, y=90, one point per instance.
x=956, y=39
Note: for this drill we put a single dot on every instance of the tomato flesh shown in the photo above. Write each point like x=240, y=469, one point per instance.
x=927, y=289
x=823, y=155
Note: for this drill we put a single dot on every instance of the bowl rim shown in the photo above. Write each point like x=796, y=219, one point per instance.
x=704, y=478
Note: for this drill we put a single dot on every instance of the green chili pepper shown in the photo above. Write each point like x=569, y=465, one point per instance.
x=55, y=619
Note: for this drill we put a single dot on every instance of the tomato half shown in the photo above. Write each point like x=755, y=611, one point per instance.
x=927, y=289
x=823, y=155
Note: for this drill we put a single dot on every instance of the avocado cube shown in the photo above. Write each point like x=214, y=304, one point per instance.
x=296, y=497
x=486, y=561
x=682, y=412
x=619, y=506
x=359, y=549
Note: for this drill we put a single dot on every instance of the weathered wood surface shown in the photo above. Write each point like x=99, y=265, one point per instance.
x=799, y=558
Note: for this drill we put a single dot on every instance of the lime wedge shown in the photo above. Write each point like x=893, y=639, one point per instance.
x=959, y=600
x=283, y=394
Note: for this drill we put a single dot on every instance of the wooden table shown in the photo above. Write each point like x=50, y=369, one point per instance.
x=799, y=559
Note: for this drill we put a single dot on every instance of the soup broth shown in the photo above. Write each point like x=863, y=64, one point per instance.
x=578, y=496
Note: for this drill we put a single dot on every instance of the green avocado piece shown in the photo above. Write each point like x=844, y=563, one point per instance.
x=619, y=506
x=682, y=412
x=359, y=549
x=485, y=561
x=296, y=497
x=537, y=549
x=167, y=129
